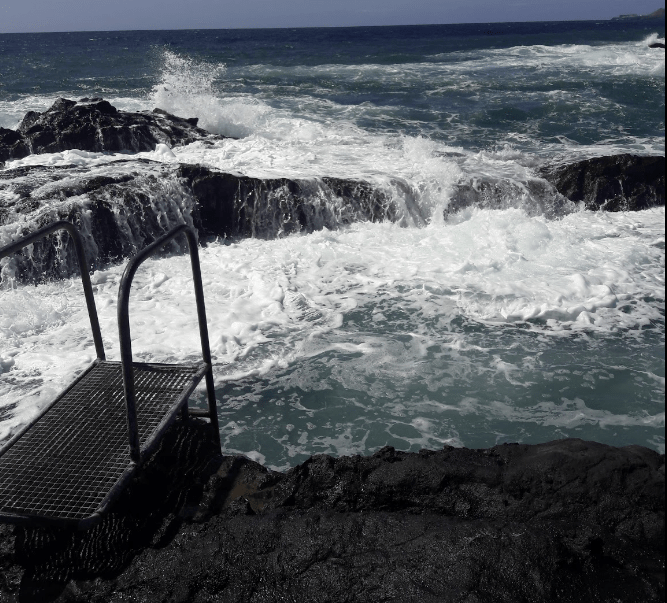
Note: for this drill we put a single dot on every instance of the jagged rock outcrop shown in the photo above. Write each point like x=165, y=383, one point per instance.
x=565, y=521
x=95, y=125
x=122, y=206
x=615, y=183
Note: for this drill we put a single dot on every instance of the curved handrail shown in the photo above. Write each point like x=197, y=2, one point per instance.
x=15, y=247
x=125, y=337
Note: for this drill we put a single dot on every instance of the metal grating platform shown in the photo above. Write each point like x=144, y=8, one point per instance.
x=70, y=463
x=66, y=464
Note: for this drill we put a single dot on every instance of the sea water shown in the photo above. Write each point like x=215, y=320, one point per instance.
x=468, y=329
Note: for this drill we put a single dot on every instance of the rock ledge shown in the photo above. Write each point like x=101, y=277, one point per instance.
x=562, y=521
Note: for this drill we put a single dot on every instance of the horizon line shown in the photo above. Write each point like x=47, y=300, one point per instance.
x=639, y=18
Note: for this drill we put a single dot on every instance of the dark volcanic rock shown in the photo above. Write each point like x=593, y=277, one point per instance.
x=95, y=125
x=240, y=206
x=536, y=197
x=117, y=212
x=12, y=145
x=121, y=207
x=120, y=210
x=564, y=521
x=656, y=45
x=616, y=183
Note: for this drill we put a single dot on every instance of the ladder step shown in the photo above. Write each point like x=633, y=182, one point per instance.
x=199, y=412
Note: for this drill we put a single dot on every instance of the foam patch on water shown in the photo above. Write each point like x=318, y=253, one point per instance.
x=624, y=58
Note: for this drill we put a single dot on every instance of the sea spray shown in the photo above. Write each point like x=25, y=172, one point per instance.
x=188, y=88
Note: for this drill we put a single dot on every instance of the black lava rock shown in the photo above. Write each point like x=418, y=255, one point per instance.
x=95, y=125
x=616, y=183
x=121, y=211
x=565, y=521
x=228, y=205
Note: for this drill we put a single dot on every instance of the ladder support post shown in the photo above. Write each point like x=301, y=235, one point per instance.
x=125, y=336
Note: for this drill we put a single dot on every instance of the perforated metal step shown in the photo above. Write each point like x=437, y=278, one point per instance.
x=69, y=464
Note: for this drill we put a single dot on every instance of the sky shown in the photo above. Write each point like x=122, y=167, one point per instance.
x=104, y=15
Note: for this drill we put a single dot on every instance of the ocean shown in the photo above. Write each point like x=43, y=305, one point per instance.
x=468, y=328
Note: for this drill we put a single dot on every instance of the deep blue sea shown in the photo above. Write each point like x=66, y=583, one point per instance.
x=474, y=328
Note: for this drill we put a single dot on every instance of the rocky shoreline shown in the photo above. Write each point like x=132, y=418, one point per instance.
x=93, y=124
x=120, y=210
x=562, y=521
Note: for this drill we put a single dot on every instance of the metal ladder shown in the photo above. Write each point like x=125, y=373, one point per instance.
x=67, y=466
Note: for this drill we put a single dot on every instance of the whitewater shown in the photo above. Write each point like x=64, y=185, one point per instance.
x=468, y=329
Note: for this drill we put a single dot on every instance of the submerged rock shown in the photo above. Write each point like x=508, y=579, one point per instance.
x=563, y=521
x=95, y=125
x=536, y=197
x=615, y=183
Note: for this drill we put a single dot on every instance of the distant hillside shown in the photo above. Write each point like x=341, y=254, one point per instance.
x=656, y=14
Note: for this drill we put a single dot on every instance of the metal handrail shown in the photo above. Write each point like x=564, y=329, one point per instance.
x=126, y=340
x=15, y=247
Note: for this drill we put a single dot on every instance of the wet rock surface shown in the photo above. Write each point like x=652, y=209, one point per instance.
x=229, y=205
x=536, y=197
x=615, y=183
x=562, y=521
x=95, y=125
x=120, y=209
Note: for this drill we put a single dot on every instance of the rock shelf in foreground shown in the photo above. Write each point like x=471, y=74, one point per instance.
x=562, y=521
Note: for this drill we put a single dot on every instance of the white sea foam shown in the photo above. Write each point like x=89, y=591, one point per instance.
x=624, y=58
x=275, y=306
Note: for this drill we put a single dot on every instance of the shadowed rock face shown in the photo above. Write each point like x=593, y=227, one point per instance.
x=616, y=183
x=562, y=521
x=240, y=206
x=95, y=125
